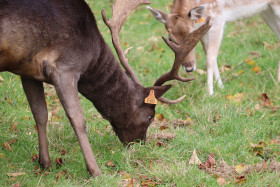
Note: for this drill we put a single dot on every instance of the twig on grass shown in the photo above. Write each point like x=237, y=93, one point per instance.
x=225, y=79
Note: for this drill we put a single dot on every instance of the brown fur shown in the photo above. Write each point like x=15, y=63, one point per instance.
x=58, y=42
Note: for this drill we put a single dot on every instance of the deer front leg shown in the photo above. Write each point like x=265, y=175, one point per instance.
x=34, y=92
x=214, y=38
x=66, y=88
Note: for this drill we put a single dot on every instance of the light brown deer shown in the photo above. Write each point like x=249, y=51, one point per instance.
x=187, y=15
x=58, y=42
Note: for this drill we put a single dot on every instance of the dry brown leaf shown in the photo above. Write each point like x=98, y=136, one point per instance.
x=148, y=183
x=14, y=127
x=240, y=179
x=7, y=146
x=110, y=164
x=225, y=67
x=221, y=181
x=266, y=100
x=255, y=54
x=163, y=127
x=194, y=159
x=16, y=185
x=210, y=161
x=159, y=117
x=59, y=161
x=15, y=174
x=1, y=155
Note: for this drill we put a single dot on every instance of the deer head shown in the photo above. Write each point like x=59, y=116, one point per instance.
x=179, y=24
x=130, y=131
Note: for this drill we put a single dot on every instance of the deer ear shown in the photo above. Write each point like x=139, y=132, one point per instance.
x=197, y=12
x=160, y=16
x=158, y=90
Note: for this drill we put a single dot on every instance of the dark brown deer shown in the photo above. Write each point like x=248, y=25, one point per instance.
x=58, y=42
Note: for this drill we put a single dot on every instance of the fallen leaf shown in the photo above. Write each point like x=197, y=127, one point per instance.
x=258, y=149
x=221, y=181
x=16, y=185
x=14, y=127
x=266, y=101
x=7, y=146
x=225, y=67
x=13, y=141
x=240, y=180
x=159, y=117
x=15, y=174
x=255, y=54
x=256, y=69
x=126, y=176
x=59, y=161
x=163, y=127
x=267, y=45
x=249, y=61
x=159, y=144
x=194, y=159
x=236, y=98
x=127, y=183
x=63, y=152
x=240, y=72
x=241, y=168
x=148, y=183
x=1, y=155
x=61, y=173
x=110, y=164
x=210, y=161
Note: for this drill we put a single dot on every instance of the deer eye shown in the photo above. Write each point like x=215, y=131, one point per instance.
x=151, y=117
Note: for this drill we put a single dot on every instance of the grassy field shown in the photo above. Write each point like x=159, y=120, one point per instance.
x=237, y=124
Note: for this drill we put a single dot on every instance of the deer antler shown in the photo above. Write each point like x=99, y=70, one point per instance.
x=180, y=52
x=121, y=10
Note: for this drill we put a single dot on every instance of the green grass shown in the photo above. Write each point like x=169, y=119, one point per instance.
x=219, y=126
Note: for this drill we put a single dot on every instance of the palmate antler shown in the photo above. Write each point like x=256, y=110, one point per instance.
x=181, y=51
x=121, y=10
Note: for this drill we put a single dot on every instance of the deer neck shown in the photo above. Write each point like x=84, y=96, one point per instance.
x=107, y=86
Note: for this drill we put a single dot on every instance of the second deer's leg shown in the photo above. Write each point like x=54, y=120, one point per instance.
x=272, y=18
x=34, y=92
x=66, y=87
x=214, y=39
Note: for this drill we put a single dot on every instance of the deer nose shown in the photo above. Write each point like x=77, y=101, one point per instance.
x=189, y=69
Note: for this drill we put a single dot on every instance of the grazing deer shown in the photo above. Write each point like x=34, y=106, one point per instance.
x=58, y=42
x=187, y=15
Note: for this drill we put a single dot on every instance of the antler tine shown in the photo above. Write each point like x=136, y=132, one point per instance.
x=180, y=52
x=194, y=37
x=121, y=10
